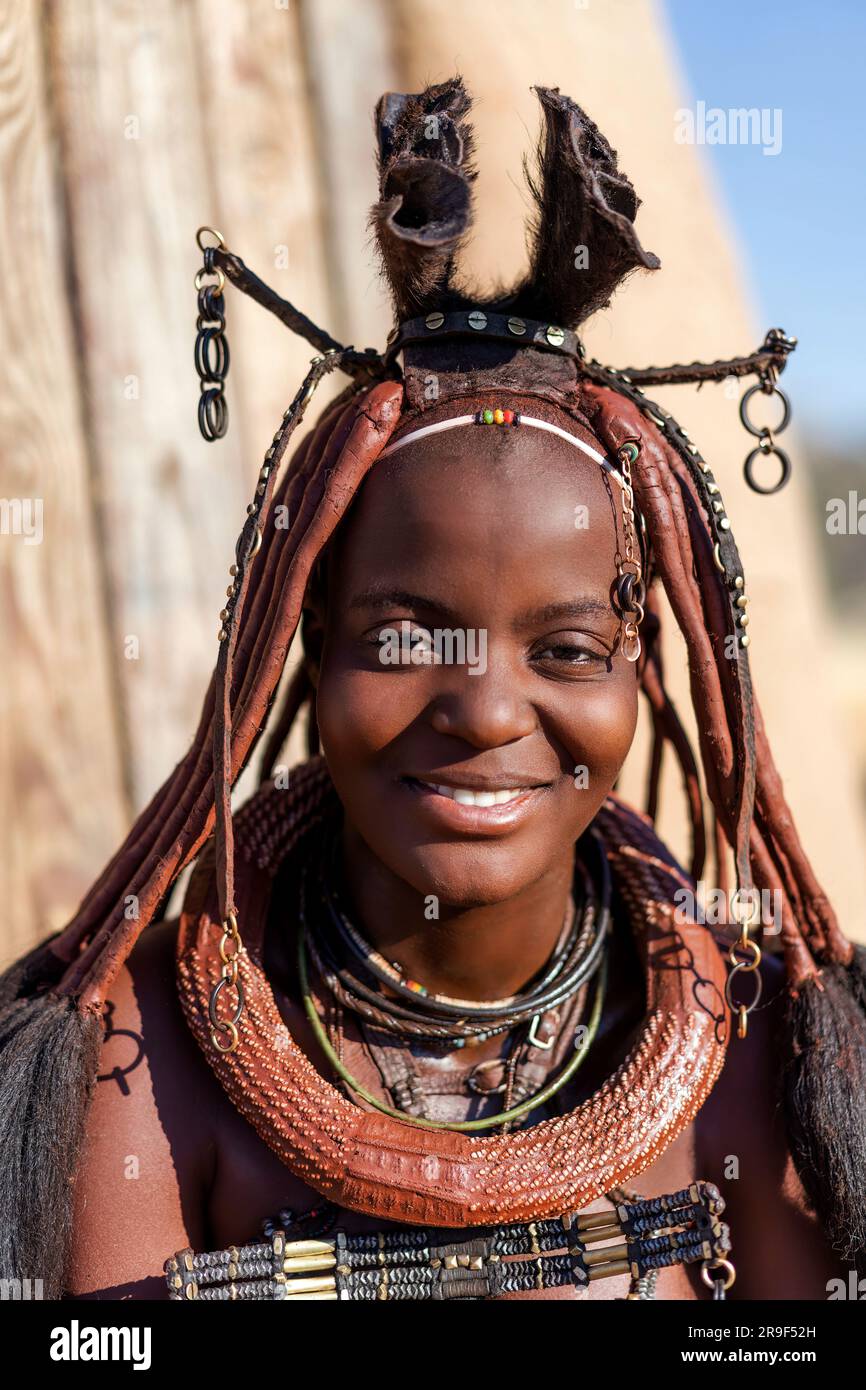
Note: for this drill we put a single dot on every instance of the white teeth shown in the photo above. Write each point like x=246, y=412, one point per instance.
x=465, y=797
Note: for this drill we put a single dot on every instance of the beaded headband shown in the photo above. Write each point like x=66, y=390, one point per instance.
x=513, y=418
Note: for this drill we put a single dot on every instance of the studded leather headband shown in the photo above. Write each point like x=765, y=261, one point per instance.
x=474, y=323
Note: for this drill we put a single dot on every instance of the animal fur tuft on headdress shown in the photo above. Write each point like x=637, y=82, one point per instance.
x=425, y=192
x=584, y=212
x=582, y=241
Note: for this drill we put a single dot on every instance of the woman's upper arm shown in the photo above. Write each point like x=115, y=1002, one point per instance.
x=141, y=1184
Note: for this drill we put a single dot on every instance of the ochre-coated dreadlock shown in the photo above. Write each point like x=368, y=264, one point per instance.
x=51, y=1001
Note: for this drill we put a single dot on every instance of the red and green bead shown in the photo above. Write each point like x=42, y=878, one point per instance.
x=491, y=416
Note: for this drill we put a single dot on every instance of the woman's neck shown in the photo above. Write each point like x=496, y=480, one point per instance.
x=481, y=952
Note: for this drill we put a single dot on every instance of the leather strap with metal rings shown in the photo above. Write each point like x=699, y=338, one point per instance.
x=229, y=979
x=767, y=446
x=211, y=344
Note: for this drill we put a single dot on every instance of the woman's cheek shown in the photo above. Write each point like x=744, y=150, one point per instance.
x=598, y=728
x=362, y=711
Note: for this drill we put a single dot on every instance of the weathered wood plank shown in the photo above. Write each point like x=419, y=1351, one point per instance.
x=137, y=186
x=61, y=798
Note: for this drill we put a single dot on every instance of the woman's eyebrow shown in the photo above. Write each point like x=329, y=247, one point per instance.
x=573, y=608
x=378, y=598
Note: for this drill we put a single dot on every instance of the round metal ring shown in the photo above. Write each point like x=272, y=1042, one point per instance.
x=212, y=355
x=221, y=279
x=234, y=1037
x=224, y=1023
x=729, y=1271
x=220, y=239
x=746, y=965
x=759, y=987
x=209, y=308
x=765, y=453
x=746, y=906
x=744, y=413
x=213, y=414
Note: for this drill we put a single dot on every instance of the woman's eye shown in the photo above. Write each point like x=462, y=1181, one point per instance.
x=403, y=642
x=570, y=654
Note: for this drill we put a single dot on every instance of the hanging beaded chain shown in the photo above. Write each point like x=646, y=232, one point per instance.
x=631, y=590
x=746, y=910
x=211, y=344
x=229, y=979
x=637, y=1238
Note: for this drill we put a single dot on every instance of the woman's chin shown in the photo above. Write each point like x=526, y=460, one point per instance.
x=465, y=877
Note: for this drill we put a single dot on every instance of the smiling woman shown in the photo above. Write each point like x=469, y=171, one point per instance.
x=439, y=1006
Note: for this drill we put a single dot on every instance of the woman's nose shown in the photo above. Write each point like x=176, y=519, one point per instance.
x=485, y=710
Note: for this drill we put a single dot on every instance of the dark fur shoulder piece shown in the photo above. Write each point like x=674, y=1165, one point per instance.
x=49, y=1055
x=582, y=239
x=824, y=1083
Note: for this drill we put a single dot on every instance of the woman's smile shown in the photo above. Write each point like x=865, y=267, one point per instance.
x=488, y=806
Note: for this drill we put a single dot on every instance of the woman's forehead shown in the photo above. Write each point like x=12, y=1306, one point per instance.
x=472, y=504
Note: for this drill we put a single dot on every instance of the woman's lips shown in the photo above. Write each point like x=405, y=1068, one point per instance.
x=473, y=810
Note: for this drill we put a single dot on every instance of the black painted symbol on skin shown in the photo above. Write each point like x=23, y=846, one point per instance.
x=119, y=1074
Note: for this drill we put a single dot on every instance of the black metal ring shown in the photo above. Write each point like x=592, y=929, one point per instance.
x=211, y=355
x=210, y=304
x=222, y=984
x=776, y=429
x=765, y=453
x=631, y=592
x=213, y=414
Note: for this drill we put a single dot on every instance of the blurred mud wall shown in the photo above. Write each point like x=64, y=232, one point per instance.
x=124, y=125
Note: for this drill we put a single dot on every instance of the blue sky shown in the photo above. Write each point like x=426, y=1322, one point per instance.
x=801, y=215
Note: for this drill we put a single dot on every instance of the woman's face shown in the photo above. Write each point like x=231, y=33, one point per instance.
x=471, y=774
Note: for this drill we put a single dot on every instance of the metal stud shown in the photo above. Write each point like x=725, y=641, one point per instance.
x=556, y=336
x=477, y=320
x=739, y=582
x=434, y=320
x=745, y=639
x=724, y=524
x=516, y=326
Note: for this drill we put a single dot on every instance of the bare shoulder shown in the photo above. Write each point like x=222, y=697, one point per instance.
x=149, y=1153
x=778, y=1248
